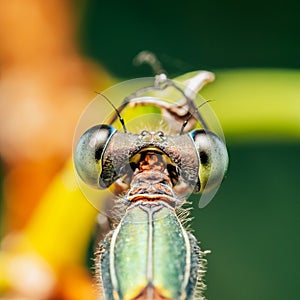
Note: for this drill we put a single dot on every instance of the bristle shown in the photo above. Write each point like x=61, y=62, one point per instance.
x=183, y=214
x=98, y=278
x=102, y=272
x=200, y=285
x=97, y=268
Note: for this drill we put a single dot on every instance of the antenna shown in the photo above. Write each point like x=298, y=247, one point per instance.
x=116, y=110
x=191, y=114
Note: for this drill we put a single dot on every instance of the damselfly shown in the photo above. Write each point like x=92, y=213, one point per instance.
x=153, y=162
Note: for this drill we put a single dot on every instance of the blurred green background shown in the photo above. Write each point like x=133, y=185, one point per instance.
x=188, y=35
x=252, y=225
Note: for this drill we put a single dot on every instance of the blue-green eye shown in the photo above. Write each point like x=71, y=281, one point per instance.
x=89, y=151
x=213, y=159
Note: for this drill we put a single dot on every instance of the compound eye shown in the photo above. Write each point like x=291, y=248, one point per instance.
x=213, y=159
x=89, y=151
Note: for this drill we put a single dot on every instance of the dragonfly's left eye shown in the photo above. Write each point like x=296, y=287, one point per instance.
x=89, y=151
x=213, y=159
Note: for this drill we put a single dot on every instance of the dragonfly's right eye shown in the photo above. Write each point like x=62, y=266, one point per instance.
x=89, y=151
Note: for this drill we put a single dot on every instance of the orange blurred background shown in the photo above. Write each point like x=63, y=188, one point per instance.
x=45, y=85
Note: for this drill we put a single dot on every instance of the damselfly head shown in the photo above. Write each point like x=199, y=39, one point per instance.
x=161, y=117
